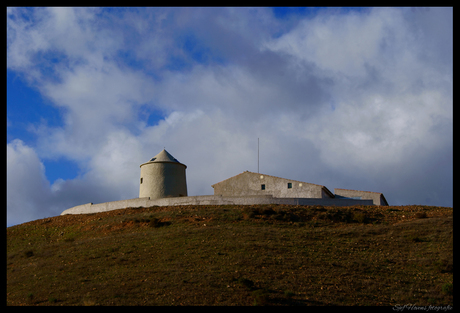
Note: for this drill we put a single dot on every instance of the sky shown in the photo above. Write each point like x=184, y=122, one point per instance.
x=354, y=98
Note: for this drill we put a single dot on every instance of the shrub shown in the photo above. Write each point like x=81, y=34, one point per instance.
x=30, y=296
x=360, y=217
x=418, y=239
x=288, y=294
x=319, y=208
x=294, y=218
x=154, y=222
x=260, y=297
x=28, y=253
x=247, y=283
x=338, y=216
x=448, y=289
x=248, y=210
x=88, y=302
x=268, y=211
x=420, y=215
x=444, y=266
x=249, y=213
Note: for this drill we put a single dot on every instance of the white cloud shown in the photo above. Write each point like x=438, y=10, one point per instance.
x=26, y=183
x=338, y=43
x=374, y=61
x=116, y=164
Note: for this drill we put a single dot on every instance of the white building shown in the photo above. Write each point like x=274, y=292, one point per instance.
x=162, y=177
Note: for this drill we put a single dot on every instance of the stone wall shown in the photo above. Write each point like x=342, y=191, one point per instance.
x=108, y=206
x=209, y=200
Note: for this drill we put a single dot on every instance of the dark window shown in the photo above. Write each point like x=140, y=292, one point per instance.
x=262, y=186
x=141, y=180
x=289, y=185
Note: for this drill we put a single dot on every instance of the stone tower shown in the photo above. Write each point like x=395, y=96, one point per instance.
x=163, y=176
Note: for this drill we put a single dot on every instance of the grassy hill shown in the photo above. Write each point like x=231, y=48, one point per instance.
x=235, y=255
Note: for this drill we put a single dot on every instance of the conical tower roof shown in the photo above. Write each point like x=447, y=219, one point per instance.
x=162, y=157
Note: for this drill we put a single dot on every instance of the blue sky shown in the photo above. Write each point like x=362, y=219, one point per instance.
x=357, y=98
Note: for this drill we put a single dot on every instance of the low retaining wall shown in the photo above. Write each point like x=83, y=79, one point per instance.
x=108, y=206
x=209, y=200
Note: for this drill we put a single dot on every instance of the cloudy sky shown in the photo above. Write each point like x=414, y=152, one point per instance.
x=358, y=98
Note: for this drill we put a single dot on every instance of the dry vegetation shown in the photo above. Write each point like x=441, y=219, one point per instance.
x=235, y=255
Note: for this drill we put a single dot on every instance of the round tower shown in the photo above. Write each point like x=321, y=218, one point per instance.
x=163, y=176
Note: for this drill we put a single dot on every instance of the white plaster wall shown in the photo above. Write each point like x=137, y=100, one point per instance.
x=249, y=183
x=376, y=197
x=163, y=179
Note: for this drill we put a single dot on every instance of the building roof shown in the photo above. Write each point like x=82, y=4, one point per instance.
x=356, y=190
x=162, y=157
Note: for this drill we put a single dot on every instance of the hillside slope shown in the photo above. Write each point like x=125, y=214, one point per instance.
x=235, y=255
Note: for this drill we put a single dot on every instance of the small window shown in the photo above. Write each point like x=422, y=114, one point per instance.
x=289, y=185
x=262, y=187
x=141, y=180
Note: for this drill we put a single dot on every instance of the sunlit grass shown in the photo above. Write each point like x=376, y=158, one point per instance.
x=235, y=255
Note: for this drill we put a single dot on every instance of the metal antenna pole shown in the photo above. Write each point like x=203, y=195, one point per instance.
x=258, y=155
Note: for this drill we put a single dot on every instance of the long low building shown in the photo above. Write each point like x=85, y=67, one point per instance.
x=163, y=183
x=249, y=183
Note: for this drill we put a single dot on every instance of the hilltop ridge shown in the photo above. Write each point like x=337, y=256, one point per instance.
x=235, y=255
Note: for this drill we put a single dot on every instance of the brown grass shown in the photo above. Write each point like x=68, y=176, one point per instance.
x=235, y=255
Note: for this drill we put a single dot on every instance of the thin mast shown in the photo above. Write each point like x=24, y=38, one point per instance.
x=258, y=155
